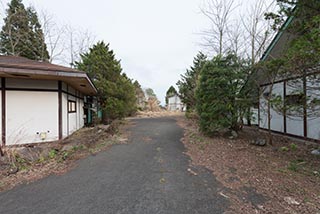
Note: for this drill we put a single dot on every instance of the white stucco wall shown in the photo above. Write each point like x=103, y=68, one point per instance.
x=294, y=121
x=32, y=113
x=29, y=114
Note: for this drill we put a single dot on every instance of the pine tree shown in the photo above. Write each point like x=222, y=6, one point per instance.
x=21, y=34
x=189, y=81
x=116, y=91
x=219, y=93
x=36, y=37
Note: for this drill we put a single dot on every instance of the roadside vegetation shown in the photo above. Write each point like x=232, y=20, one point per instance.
x=220, y=90
x=282, y=178
x=261, y=172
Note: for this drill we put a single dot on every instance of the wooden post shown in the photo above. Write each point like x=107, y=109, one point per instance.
x=60, y=108
x=305, y=117
x=284, y=107
x=3, y=104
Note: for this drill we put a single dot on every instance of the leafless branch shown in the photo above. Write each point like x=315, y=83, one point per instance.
x=219, y=14
x=54, y=36
x=258, y=29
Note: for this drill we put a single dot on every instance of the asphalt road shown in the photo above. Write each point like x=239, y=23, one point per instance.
x=148, y=176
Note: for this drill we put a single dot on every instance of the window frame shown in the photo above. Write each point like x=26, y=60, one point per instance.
x=72, y=106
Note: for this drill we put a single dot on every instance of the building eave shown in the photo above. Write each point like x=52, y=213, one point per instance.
x=78, y=80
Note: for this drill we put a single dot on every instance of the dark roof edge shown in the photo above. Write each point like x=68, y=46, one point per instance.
x=56, y=68
x=91, y=83
x=10, y=70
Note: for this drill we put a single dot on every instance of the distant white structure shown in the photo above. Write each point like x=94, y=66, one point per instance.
x=175, y=104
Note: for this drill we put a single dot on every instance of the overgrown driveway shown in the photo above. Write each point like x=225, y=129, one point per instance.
x=149, y=175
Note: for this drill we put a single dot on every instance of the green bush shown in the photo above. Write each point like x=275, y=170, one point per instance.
x=220, y=102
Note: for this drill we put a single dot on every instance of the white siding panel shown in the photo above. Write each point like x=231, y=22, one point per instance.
x=72, y=122
x=34, y=84
x=313, y=94
x=295, y=125
x=31, y=113
x=314, y=128
x=263, y=109
x=294, y=120
x=174, y=103
x=276, y=114
x=75, y=120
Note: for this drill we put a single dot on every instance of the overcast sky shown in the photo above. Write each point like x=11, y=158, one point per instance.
x=156, y=40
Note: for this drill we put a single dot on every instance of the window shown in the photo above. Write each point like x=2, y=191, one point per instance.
x=266, y=95
x=294, y=100
x=72, y=106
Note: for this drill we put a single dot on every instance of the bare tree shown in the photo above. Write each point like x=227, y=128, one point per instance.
x=236, y=40
x=54, y=36
x=79, y=41
x=2, y=11
x=219, y=14
x=65, y=43
x=258, y=29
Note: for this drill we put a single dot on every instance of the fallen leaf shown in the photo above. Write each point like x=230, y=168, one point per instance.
x=162, y=180
x=291, y=201
x=192, y=172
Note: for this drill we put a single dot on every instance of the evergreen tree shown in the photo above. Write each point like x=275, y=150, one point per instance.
x=36, y=37
x=22, y=34
x=219, y=95
x=189, y=81
x=116, y=91
x=171, y=92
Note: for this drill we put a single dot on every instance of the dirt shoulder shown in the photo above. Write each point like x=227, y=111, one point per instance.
x=32, y=162
x=282, y=178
